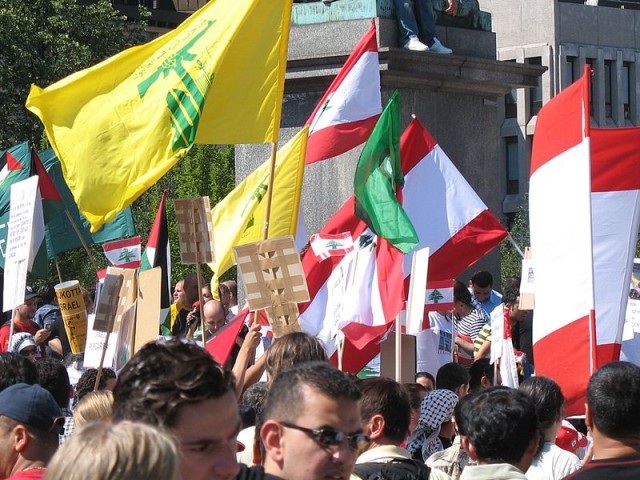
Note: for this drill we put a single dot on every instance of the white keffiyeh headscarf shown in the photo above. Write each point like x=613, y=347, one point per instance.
x=436, y=409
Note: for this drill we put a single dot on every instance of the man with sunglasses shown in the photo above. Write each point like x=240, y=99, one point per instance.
x=311, y=428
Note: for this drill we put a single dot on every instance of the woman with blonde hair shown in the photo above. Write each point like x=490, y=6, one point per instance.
x=126, y=451
x=94, y=407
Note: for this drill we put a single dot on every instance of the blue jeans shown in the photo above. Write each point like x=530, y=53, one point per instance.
x=416, y=18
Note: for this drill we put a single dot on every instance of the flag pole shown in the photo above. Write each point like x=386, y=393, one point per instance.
x=200, y=306
x=272, y=170
x=398, y=348
x=112, y=321
x=55, y=259
x=84, y=244
x=515, y=245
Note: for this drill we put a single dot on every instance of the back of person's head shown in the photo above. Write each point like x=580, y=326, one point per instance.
x=386, y=397
x=94, y=407
x=482, y=279
x=164, y=375
x=233, y=288
x=512, y=282
x=500, y=423
x=16, y=369
x=54, y=378
x=126, y=451
x=480, y=369
x=252, y=403
x=47, y=293
x=87, y=381
x=548, y=399
x=450, y=376
x=292, y=349
x=461, y=293
x=286, y=397
x=415, y=393
x=510, y=295
x=613, y=399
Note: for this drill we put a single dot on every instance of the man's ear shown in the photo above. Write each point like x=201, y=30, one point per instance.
x=20, y=438
x=486, y=382
x=374, y=429
x=271, y=435
x=588, y=419
x=469, y=448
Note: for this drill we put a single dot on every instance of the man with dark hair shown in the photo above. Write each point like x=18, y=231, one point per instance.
x=23, y=322
x=481, y=286
x=500, y=432
x=30, y=422
x=55, y=379
x=14, y=369
x=613, y=415
x=453, y=376
x=311, y=428
x=468, y=321
x=426, y=380
x=551, y=462
x=233, y=296
x=176, y=385
x=384, y=410
x=481, y=375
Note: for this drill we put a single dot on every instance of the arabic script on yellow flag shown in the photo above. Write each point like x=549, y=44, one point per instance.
x=118, y=126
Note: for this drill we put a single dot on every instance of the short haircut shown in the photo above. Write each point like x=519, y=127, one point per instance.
x=461, y=293
x=291, y=349
x=232, y=286
x=450, y=376
x=386, y=397
x=548, y=399
x=45, y=443
x=500, y=423
x=613, y=396
x=252, y=403
x=425, y=375
x=15, y=368
x=163, y=376
x=482, y=279
x=127, y=451
x=47, y=293
x=87, y=382
x=510, y=295
x=94, y=407
x=55, y=379
x=480, y=368
x=285, y=400
x=415, y=392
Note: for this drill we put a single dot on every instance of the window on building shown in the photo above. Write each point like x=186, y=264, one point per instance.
x=590, y=62
x=571, y=70
x=510, y=104
x=513, y=166
x=608, y=81
x=624, y=90
x=535, y=94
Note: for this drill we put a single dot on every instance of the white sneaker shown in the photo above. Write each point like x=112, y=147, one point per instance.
x=415, y=45
x=437, y=47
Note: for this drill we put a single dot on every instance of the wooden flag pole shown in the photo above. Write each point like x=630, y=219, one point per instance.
x=84, y=244
x=398, y=349
x=55, y=259
x=272, y=172
x=199, y=275
x=104, y=352
x=515, y=245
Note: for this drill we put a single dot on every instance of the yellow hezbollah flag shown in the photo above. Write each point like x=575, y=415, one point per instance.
x=118, y=126
x=239, y=217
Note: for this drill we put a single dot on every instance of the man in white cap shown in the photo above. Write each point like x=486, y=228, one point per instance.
x=23, y=343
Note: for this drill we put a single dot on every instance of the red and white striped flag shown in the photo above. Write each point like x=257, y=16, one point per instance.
x=439, y=296
x=348, y=111
x=326, y=245
x=124, y=253
x=561, y=242
x=615, y=214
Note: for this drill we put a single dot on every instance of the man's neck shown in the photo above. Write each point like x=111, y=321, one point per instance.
x=21, y=320
x=22, y=464
x=607, y=447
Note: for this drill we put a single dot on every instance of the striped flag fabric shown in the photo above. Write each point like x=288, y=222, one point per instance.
x=349, y=109
x=561, y=242
x=439, y=296
x=331, y=245
x=615, y=214
x=123, y=253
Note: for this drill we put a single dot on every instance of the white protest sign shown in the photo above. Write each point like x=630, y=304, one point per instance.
x=94, y=345
x=24, y=237
x=417, y=290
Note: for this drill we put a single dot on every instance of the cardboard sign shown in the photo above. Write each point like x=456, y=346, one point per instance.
x=108, y=303
x=195, y=230
x=74, y=313
x=417, y=290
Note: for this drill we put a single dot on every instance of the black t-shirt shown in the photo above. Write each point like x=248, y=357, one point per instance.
x=623, y=468
x=58, y=331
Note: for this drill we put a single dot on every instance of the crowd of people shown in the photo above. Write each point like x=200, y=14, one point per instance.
x=173, y=412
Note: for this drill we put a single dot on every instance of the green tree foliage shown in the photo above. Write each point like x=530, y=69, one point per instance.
x=511, y=260
x=43, y=41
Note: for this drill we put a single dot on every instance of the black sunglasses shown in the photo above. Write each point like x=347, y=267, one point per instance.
x=328, y=437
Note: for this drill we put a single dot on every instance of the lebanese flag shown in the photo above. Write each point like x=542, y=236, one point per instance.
x=123, y=253
x=330, y=245
x=439, y=296
x=348, y=111
x=448, y=215
x=615, y=213
x=561, y=242
x=449, y=218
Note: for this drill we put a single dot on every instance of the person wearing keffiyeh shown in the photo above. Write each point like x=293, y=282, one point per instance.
x=437, y=408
